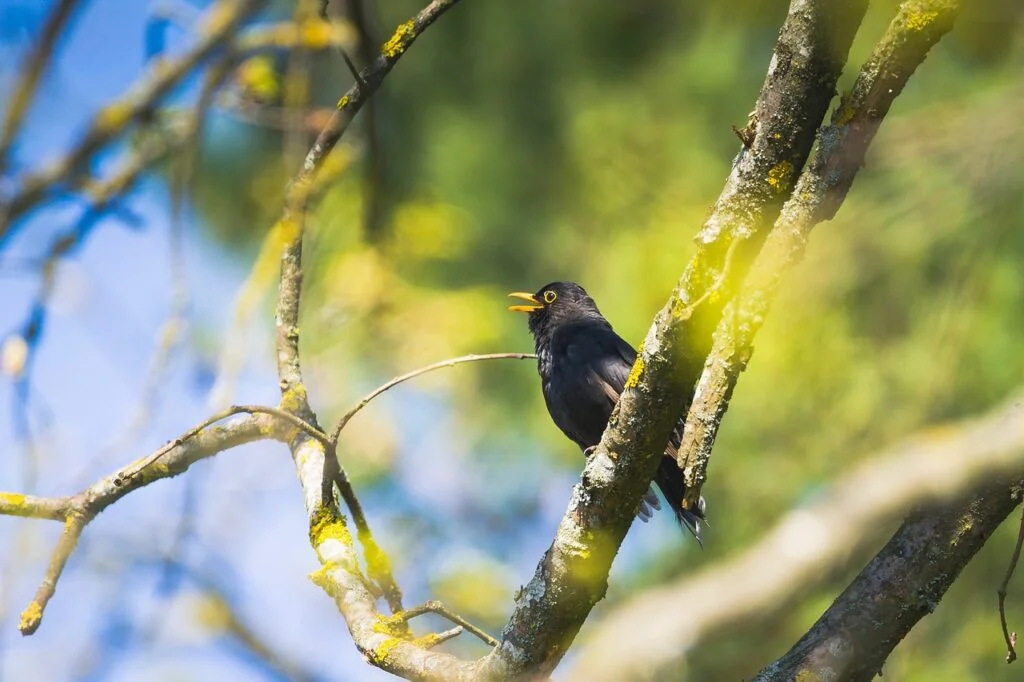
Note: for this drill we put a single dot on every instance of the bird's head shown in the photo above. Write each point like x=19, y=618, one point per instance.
x=555, y=304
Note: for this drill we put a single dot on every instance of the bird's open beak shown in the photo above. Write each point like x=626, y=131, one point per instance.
x=534, y=303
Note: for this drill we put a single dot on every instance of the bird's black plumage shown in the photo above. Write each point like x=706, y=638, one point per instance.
x=583, y=366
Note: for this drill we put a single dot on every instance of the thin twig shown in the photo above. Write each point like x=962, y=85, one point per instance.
x=340, y=49
x=32, y=616
x=430, y=641
x=377, y=563
x=1010, y=637
x=434, y=606
x=417, y=372
x=136, y=468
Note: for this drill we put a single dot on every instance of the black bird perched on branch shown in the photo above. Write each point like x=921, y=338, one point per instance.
x=583, y=366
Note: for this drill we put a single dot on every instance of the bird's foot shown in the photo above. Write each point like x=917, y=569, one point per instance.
x=589, y=451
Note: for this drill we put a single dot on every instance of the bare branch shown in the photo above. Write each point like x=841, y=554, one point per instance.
x=431, y=641
x=819, y=192
x=140, y=466
x=77, y=511
x=572, y=575
x=33, y=506
x=1010, y=637
x=440, y=609
x=32, y=616
x=451, y=362
x=807, y=545
x=903, y=583
x=316, y=465
x=203, y=440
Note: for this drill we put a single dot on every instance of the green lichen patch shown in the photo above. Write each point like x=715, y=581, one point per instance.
x=327, y=525
x=379, y=654
x=780, y=176
x=30, y=617
x=13, y=500
x=918, y=21
x=633, y=380
x=401, y=39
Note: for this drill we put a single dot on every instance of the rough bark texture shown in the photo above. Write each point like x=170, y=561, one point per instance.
x=572, y=576
x=655, y=629
x=819, y=193
x=900, y=586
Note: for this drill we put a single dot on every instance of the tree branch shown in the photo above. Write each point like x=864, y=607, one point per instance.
x=440, y=609
x=317, y=466
x=451, y=362
x=1010, y=637
x=810, y=544
x=77, y=511
x=903, y=583
x=819, y=192
x=572, y=575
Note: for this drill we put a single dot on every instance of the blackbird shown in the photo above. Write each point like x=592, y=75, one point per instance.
x=583, y=366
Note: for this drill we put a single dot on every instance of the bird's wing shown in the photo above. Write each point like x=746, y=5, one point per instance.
x=614, y=361
x=587, y=376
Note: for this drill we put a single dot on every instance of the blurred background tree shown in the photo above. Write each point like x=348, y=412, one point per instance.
x=523, y=142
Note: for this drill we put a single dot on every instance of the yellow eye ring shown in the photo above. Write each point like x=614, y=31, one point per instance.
x=550, y=296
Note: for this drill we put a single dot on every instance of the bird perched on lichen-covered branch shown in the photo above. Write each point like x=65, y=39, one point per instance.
x=583, y=366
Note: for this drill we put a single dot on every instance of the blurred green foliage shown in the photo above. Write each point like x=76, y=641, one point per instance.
x=529, y=141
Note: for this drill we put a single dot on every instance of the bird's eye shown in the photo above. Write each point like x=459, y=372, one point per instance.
x=550, y=296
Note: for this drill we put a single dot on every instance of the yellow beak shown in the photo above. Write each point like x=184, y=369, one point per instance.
x=535, y=304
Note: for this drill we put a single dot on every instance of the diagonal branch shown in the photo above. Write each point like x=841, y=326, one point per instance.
x=811, y=543
x=440, y=609
x=572, y=575
x=819, y=193
x=418, y=372
x=901, y=585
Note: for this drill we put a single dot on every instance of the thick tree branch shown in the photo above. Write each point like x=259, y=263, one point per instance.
x=901, y=585
x=572, y=575
x=819, y=192
x=808, y=545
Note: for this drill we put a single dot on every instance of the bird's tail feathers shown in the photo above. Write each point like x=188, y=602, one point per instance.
x=693, y=520
x=670, y=480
